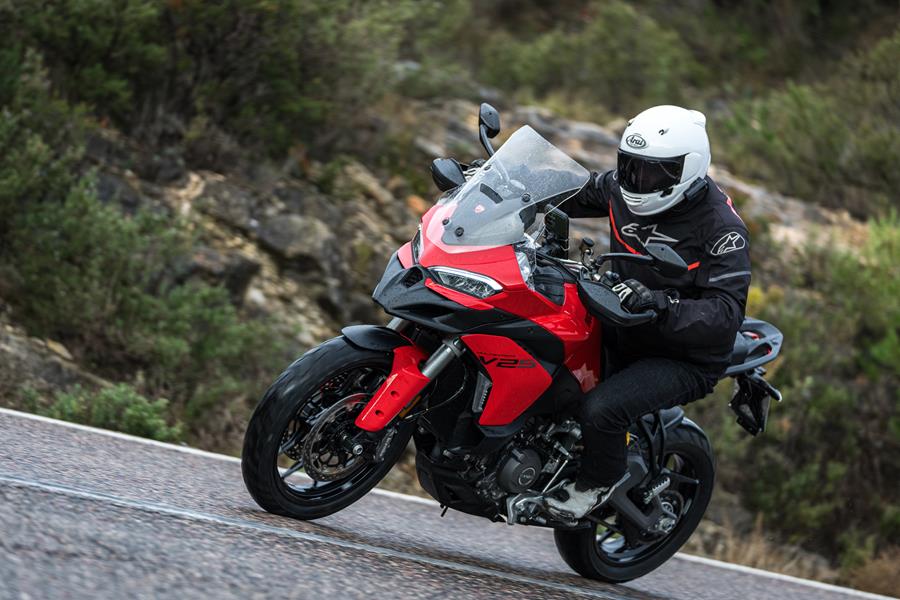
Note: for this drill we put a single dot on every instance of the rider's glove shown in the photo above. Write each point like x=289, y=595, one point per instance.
x=636, y=297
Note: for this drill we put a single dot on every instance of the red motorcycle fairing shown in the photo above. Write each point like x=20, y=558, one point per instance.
x=401, y=387
x=581, y=335
x=516, y=385
x=579, y=331
x=518, y=378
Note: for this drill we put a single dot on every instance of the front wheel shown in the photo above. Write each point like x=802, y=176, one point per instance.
x=303, y=455
x=618, y=552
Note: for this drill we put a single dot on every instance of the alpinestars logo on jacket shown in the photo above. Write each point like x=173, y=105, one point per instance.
x=647, y=233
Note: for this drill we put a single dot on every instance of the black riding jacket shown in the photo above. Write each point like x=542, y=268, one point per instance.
x=712, y=239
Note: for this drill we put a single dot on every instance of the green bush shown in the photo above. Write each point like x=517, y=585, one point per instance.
x=620, y=58
x=836, y=143
x=120, y=408
x=112, y=287
x=40, y=139
x=268, y=72
x=826, y=471
x=106, y=285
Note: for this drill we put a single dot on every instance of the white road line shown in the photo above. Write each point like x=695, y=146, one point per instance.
x=780, y=577
x=151, y=507
x=426, y=501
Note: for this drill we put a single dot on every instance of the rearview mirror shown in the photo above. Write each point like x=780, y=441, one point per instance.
x=488, y=126
x=665, y=260
x=490, y=118
x=447, y=174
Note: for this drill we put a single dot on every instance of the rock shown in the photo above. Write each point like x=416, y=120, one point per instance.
x=58, y=349
x=617, y=126
x=367, y=183
x=418, y=205
x=298, y=238
x=233, y=270
x=164, y=168
x=227, y=202
x=298, y=198
x=45, y=366
x=591, y=133
x=256, y=298
x=429, y=147
x=114, y=189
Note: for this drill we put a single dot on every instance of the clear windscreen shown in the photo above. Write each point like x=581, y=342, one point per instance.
x=499, y=205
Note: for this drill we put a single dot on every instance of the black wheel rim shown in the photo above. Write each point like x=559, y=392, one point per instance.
x=619, y=544
x=289, y=468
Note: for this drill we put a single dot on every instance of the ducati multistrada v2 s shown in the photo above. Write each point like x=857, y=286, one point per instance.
x=495, y=339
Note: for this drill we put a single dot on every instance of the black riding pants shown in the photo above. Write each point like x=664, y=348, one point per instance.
x=638, y=388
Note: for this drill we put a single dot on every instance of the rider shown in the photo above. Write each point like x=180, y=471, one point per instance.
x=660, y=192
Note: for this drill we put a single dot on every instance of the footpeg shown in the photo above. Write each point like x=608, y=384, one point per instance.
x=655, y=488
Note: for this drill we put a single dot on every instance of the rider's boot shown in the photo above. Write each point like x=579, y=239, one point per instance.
x=583, y=499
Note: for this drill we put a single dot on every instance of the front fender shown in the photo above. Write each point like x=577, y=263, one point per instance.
x=373, y=337
x=403, y=384
x=399, y=391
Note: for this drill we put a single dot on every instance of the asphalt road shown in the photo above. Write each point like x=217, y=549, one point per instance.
x=92, y=514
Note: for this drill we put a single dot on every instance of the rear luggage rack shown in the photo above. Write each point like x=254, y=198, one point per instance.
x=756, y=344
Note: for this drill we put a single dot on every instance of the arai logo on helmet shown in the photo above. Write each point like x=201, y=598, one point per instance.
x=636, y=141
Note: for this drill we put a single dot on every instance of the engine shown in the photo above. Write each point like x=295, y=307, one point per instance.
x=531, y=464
x=519, y=470
x=481, y=481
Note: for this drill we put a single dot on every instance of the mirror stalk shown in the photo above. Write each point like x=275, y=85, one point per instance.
x=485, y=141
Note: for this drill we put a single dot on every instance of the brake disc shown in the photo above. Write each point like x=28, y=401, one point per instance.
x=326, y=456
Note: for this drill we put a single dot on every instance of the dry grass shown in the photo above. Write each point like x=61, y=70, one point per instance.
x=880, y=575
x=758, y=549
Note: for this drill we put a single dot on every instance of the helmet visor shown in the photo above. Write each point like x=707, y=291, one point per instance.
x=644, y=175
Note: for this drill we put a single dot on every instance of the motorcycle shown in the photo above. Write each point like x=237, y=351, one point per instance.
x=496, y=336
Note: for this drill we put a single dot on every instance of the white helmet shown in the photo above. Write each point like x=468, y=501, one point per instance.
x=663, y=151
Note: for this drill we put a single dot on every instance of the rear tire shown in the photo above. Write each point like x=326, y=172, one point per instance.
x=279, y=408
x=580, y=548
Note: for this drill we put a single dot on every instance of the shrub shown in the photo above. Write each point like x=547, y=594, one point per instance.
x=832, y=454
x=108, y=286
x=40, y=136
x=265, y=71
x=120, y=408
x=112, y=286
x=619, y=58
x=836, y=142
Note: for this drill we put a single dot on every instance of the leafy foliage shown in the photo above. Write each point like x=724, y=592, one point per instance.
x=112, y=286
x=120, y=408
x=619, y=58
x=837, y=142
x=826, y=471
x=266, y=71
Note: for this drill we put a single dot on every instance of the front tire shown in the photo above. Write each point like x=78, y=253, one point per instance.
x=315, y=385
x=592, y=554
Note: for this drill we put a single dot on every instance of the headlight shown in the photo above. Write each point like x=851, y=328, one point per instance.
x=525, y=267
x=473, y=284
x=417, y=245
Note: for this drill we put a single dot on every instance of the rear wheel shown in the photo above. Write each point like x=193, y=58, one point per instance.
x=303, y=455
x=618, y=552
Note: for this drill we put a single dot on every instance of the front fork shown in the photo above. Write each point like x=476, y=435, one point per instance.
x=408, y=377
